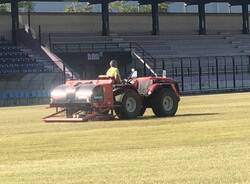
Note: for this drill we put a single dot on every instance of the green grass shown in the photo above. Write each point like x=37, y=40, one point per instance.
x=207, y=142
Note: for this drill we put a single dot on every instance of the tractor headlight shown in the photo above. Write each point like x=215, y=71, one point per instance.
x=149, y=92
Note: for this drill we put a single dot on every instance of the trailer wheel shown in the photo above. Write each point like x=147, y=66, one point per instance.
x=69, y=112
x=130, y=104
x=164, y=103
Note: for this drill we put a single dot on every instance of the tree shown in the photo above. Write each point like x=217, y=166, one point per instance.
x=145, y=8
x=163, y=7
x=117, y=6
x=4, y=8
x=26, y=6
x=122, y=6
x=126, y=7
x=78, y=7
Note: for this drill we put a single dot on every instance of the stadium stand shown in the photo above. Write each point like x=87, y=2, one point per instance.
x=198, y=62
x=162, y=46
x=24, y=77
x=192, y=45
x=14, y=60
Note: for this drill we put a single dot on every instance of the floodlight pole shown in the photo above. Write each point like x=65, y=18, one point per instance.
x=202, y=18
x=155, y=17
x=105, y=18
x=15, y=20
x=245, y=18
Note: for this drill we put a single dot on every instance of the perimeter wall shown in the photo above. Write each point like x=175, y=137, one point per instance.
x=170, y=23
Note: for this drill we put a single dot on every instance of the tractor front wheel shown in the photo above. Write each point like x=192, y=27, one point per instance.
x=143, y=109
x=164, y=103
x=130, y=104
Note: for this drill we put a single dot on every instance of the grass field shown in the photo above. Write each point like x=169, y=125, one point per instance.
x=207, y=142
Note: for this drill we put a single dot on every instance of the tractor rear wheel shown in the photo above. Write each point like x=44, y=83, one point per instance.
x=164, y=103
x=130, y=104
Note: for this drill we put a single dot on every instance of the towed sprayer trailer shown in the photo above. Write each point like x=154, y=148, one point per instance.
x=103, y=99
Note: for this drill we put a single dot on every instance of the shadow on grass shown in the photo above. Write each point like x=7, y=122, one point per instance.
x=177, y=115
x=197, y=114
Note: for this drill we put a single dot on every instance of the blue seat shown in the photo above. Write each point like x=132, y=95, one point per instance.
x=6, y=94
x=25, y=93
x=34, y=93
x=39, y=93
x=17, y=93
x=12, y=94
x=21, y=94
x=47, y=93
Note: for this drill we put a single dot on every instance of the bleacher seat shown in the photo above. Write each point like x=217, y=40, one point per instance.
x=25, y=76
x=23, y=97
x=14, y=60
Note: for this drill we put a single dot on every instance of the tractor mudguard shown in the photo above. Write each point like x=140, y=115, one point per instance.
x=120, y=88
x=154, y=88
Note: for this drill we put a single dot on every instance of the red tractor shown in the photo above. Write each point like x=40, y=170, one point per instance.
x=83, y=100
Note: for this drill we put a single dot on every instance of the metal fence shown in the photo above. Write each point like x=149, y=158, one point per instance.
x=209, y=74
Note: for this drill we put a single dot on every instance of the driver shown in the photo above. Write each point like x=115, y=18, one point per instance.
x=113, y=71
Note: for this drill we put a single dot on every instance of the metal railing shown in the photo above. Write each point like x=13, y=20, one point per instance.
x=85, y=46
x=72, y=47
x=208, y=74
x=146, y=60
